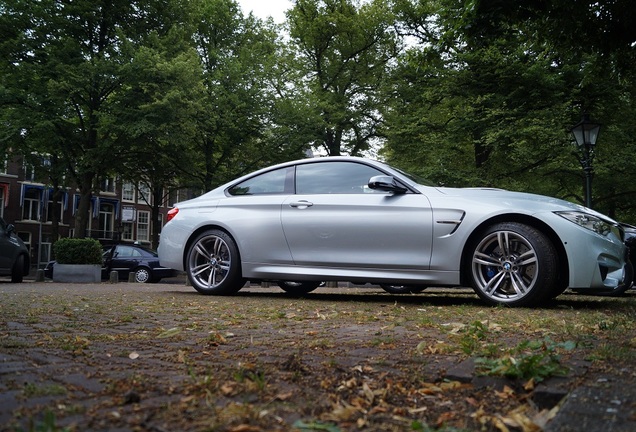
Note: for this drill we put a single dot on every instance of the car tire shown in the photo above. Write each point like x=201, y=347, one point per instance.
x=298, y=288
x=402, y=289
x=17, y=272
x=143, y=275
x=213, y=264
x=513, y=264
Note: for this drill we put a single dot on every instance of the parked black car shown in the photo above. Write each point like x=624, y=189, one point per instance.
x=14, y=256
x=126, y=258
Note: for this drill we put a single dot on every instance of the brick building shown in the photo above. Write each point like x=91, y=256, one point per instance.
x=119, y=211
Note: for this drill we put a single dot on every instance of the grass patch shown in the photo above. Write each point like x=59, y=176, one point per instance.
x=536, y=360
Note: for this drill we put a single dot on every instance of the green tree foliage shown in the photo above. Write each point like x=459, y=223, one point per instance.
x=341, y=50
x=64, y=65
x=487, y=92
x=193, y=92
x=237, y=55
x=153, y=114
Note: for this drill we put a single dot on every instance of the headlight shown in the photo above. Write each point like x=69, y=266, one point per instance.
x=588, y=221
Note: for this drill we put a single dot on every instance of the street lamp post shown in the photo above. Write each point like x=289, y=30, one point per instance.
x=585, y=133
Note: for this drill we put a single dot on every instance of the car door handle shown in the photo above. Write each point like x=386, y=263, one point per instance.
x=302, y=204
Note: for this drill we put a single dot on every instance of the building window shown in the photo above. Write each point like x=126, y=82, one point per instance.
x=3, y=165
x=107, y=185
x=145, y=194
x=55, y=207
x=127, y=231
x=31, y=204
x=143, y=226
x=128, y=192
x=36, y=167
x=106, y=219
x=29, y=172
x=26, y=239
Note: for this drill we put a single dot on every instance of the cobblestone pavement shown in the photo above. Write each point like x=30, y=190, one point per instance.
x=65, y=350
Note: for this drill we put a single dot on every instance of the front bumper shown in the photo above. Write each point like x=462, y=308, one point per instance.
x=596, y=262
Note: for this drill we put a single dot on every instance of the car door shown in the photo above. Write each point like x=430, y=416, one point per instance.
x=335, y=220
x=123, y=259
x=254, y=208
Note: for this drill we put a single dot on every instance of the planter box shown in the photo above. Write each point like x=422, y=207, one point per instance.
x=77, y=273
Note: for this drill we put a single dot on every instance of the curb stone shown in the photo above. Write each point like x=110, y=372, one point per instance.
x=607, y=405
x=546, y=395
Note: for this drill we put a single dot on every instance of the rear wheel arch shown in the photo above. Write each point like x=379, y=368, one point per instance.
x=195, y=234
x=563, y=263
x=213, y=263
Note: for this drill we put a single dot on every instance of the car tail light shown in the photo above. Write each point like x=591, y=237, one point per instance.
x=172, y=213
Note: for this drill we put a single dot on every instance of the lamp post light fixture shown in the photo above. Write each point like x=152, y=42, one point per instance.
x=586, y=133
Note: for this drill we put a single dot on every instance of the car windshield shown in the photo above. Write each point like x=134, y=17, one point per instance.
x=413, y=177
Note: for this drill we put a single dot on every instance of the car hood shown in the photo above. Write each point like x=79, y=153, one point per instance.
x=518, y=201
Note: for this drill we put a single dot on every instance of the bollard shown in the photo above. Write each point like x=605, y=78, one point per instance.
x=39, y=275
x=131, y=277
x=114, y=276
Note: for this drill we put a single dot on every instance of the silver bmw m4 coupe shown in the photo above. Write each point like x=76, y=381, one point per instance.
x=305, y=222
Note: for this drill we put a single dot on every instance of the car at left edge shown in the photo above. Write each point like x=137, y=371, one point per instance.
x=14, y=256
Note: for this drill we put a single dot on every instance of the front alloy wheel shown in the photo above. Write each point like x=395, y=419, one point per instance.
x=513, y=264
x=213, y=264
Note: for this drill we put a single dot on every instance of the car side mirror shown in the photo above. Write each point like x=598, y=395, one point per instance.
x=387, y=184
x=10, y=230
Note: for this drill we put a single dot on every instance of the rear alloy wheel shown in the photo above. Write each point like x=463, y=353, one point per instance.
x=402, y=289
x=142, y=275
x=17, y=272
x=298, y=288
x=513, y=264
x=213, y=264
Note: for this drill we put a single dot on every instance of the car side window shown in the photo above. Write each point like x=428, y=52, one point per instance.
x=335, y=178
x=123, y=251
x=279, y=181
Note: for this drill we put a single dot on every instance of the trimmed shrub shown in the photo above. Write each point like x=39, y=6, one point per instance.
x=78, y=251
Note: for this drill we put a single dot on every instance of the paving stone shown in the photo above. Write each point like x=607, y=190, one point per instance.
x=606, y=406
x=80, y=380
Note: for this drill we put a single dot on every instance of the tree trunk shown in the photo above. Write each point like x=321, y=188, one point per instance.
x=82, y=215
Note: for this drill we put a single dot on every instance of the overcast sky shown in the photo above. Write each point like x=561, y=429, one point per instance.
x=265, y=8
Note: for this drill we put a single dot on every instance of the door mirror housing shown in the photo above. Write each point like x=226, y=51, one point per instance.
x=387, y=184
